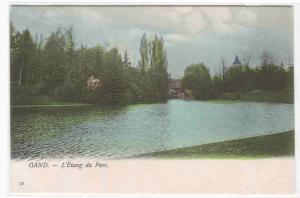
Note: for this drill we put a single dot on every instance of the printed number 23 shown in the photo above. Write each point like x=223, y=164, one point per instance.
x=21, y=183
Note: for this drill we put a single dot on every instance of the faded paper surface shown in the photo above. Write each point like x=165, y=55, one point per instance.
x=160, y=176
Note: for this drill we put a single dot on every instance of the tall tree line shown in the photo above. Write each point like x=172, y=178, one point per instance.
x=268, y=76
x=53, y=66
x=153, y=66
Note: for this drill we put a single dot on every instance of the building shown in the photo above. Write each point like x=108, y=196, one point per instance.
x=236, y=61
x=174, y=88
x=93, y=83
x=286, y=66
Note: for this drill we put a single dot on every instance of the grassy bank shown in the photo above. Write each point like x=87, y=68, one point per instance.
x=273, y=145
x=41, y=100
x=283, y=96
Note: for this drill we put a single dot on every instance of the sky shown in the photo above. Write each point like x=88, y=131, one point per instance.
x=192, y=34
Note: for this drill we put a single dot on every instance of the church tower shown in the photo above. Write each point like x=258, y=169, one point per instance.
x=236, y=61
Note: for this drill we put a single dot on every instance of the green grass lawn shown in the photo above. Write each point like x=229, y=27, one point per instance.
x=266, y=146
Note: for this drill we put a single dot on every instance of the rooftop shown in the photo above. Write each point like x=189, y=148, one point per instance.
x=174, y=84
x=236, y=61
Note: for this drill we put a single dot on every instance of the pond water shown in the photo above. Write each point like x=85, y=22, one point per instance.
x=97, y=132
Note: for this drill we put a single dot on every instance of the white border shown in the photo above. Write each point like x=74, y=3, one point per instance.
x=4, y=85
x=154, y=2
x=4, y=99
x=297, y=88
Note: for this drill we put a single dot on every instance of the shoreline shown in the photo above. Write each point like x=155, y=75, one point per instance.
x=275, y=145
x=51, y=105
x=282, y=97
x=281, y=144
x=223, y=101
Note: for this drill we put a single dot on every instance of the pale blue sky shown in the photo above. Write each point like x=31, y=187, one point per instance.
x=192, y=34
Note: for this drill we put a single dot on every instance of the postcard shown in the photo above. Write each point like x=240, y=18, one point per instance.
x=152, y=99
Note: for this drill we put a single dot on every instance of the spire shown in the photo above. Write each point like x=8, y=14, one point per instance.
x=236, y=61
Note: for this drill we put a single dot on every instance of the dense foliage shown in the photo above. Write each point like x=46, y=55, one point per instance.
x=197, y=79
x=52, y=66
x=238, y=79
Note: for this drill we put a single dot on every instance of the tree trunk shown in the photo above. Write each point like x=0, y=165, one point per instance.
x=20, y=76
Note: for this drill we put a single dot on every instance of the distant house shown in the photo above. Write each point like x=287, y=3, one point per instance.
x=93, y=83
x=174, y=87
x=174, y=84
x=286, y=66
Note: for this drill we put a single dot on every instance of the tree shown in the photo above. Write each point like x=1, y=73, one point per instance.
x=153, y=66
x=217, y=86
x=39, y=60
x=223, y=68
x=266, y=58
x=113, y=82
x=158, y=69
x=126, y=60
x=15, y=38
x=70, y=59
x=55, y=61
x=144, y=54
x=233, y=78
x=24, y=50
x=270, y=76
x=290, y=79
x=197, y=79
x=247, y=59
